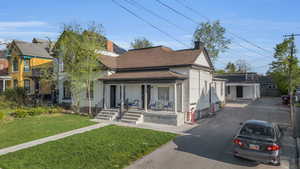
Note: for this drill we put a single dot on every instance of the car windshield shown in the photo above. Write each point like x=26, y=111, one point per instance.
x=257, y=130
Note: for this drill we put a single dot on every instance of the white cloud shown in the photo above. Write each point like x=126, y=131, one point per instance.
x=5, y=25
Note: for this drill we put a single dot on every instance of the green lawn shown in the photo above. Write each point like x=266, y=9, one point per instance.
x=19, y=131
x=111, y=147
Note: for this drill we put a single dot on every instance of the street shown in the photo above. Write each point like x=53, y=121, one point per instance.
x=209, y=145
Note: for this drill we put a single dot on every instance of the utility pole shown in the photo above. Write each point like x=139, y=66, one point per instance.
x=290, y=59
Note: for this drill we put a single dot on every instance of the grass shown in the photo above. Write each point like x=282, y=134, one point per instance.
x=17, y=131
x=111, y=147
x=297, y=104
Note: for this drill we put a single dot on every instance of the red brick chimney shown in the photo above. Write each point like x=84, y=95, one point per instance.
x=109, y=46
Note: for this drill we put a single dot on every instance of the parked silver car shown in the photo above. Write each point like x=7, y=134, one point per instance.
x=259, y=141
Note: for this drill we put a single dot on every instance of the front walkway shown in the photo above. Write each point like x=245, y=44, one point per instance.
x=50, y=138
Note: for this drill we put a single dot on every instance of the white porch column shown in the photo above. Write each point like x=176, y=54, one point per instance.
x=255, y=91
x=175, y=97
x=122, y=98
x=4, y=81
x=145, y=98
x=182, y=93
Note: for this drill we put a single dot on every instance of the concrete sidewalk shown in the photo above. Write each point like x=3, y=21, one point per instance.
x=50, y=138
x=181, y=130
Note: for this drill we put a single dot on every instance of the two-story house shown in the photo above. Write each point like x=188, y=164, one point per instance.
x=23, y=58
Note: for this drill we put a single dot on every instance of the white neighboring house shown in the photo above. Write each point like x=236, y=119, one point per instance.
x=156, y=84
x=241, y=86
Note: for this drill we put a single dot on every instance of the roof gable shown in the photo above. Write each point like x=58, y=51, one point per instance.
x=202, y=60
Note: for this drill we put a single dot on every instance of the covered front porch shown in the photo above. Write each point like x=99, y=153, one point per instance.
x=158, y=95
x=149, y=97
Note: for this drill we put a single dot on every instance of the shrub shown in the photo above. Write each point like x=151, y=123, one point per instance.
x=54, y=110
x=1, y=115
x=17, y=95
x=37, y=111
x=20, y=113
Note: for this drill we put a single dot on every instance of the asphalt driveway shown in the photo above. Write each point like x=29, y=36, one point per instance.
x=209, y=145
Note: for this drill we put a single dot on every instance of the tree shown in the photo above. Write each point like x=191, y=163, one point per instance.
x=142, y=42
x=213, y=37
x=230, y=68
x=78, y=47
x=220, y=71
x=242, y=66
x=284, y=65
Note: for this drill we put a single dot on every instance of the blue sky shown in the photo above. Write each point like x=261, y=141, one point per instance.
x=263, y=22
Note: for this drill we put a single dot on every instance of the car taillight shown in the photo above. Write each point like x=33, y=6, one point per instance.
x=238, y=142
x=273, y=147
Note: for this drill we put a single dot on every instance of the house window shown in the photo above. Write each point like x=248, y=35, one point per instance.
x=15, y=83
x=163, y=94
x=15, y=65
x=27, y=85
x=26, y=65
x=91, y=90
x=67, y=91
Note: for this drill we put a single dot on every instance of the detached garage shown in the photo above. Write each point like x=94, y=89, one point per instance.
x=240, y=86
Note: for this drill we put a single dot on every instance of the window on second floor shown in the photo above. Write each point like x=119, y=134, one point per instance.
x=26, y=65
x=15, y=65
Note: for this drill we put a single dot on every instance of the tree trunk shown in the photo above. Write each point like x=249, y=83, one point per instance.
x=89, y=97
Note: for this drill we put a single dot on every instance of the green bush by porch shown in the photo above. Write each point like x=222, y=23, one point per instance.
x=17, y=131
x=110, y=147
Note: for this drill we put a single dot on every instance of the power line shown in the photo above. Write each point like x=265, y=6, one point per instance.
x=192, y=20
x=150, y=24
x=193, y=10
x=137, y=5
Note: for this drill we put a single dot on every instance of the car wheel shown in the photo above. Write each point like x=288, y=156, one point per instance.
x=277, y=162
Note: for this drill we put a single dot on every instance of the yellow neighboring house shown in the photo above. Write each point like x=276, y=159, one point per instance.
x=25, y=61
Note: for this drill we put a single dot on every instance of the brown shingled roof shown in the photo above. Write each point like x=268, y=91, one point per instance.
x=144, y=75
x=158, y=56
x=32, y=49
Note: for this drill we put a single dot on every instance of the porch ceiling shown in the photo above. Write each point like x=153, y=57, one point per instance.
x=144, y=75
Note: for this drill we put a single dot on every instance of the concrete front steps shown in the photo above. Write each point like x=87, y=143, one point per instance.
x=107, y=114
x=132, y=116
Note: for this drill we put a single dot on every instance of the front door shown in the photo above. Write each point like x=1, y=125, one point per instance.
x=239, y=91
x=112, y=96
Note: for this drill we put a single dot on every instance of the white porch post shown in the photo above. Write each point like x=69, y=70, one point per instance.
x=145, y=98
x=255, y=91
x=182, y=93
x=3, y=85
x=175, y=97
x=122, y=98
